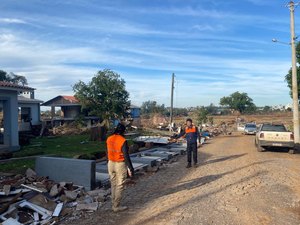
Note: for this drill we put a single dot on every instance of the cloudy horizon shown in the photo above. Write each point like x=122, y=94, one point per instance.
x=214, y=47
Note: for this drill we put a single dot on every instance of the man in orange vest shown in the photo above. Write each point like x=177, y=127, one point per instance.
x=191, y=134
x=119, y=164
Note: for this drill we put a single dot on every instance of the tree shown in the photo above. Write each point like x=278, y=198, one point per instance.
x=238, y=101
x=201, y=115
x=17, y=79
x=3, y=76
x=104, y=96
x=288, y=77
x=212, y=109
x=150, y=107
x=13, y=78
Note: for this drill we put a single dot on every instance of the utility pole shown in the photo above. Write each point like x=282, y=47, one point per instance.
x=172, y=96
x=291, y=6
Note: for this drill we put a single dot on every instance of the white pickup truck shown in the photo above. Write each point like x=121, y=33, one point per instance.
x=273, y=135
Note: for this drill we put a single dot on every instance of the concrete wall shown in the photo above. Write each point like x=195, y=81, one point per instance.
x=71, y=111
x=34, y=112
x=78, y=171
x=10, y=111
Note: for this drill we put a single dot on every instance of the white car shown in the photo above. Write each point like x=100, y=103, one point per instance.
x=273, y=135
x=250, y=128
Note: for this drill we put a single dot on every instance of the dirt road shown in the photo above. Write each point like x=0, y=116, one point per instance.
x=234, y=184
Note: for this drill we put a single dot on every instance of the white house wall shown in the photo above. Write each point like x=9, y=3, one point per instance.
x=10, y=110
x=35, y=112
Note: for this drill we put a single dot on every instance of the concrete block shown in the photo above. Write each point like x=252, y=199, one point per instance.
x=175, y=152
x=149, y=160
x=177, y=148
x=78, y=171
x=163, y=155
x=139, y=166
x=102, y=167
x=103, y=178
x=172, y=152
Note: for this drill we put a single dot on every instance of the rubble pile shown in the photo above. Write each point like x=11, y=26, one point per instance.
x=29, y=199
x=69, y=129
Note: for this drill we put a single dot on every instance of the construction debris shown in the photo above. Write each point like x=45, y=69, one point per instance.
x=37, y=200
x=152, y=139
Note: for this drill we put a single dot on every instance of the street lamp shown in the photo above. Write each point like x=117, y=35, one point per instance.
x=281, y=42
x=291, y=5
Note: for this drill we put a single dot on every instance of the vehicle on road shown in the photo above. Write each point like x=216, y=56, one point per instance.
x=250, y=128
x=274, y=135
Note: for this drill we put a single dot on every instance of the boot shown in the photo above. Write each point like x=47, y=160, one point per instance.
x=188, y=165
x=119, y=209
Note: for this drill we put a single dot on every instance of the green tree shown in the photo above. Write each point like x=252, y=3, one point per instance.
x=212, y=109
x=104, y=96
x=238, y=101
x=149, y=107
x=13, y=78
x=201, y=115
x=211, y=120
x=288, y=77
x=3, y=76
x=17, y=79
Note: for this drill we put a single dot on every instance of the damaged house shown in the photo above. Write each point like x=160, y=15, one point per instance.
x=19, y=111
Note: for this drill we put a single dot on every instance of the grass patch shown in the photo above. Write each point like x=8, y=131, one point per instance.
x=17, y=167
x=62, y=146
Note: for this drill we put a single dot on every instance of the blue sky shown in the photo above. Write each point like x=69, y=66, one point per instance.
x=214, y=47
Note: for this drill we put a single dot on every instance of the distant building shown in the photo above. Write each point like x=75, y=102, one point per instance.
x=69, y=105
x=135, y=115
x=29, y=112
x=135, y=112
x=70, y=110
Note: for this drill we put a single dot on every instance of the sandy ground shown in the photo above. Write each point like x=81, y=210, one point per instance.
x=234, y=184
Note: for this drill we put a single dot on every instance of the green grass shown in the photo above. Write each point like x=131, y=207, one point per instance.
x=63, y=146
x=17, y=167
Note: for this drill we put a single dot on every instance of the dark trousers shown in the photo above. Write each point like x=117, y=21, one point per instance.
x=192, y=149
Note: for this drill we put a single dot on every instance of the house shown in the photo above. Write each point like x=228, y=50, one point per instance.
x=69, y=105
x=9, y=135
x=135, y=115
x=29, y=111
x=70, y=109
x=135, y=112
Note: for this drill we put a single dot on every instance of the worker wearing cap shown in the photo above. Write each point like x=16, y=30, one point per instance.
x=191, y=134
x=119, y=164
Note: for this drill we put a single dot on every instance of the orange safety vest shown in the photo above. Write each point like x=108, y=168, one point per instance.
x=114, y=148
x=190, y=129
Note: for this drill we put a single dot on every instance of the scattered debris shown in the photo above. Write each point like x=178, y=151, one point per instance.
x=37, y=200
x=153, y=139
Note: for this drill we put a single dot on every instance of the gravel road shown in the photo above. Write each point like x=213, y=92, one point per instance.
x=233, y=184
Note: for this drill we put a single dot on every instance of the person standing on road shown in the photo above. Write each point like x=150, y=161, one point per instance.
x=191, y=134
x=119, y=164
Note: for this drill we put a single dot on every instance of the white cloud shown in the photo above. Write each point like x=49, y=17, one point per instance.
x=206, y=27
x=60, y=50
x=52, y=69
x=12, y=20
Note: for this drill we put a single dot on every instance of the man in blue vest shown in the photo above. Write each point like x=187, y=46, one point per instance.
x=191, y=134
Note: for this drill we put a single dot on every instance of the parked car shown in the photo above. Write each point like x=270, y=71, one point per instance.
x=273, y=135
x=240, y=127
x=250, y=128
